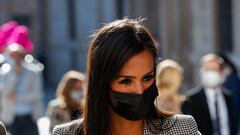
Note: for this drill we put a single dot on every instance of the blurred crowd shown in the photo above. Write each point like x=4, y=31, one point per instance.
x=21, y=87
x=214, y=103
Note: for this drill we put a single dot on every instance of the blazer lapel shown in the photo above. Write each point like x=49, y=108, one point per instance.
x=203, y=101
x=203, y=113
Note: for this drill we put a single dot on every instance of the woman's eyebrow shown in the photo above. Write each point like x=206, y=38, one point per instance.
x=133, y=77
x=126, y=76
x=151, y=72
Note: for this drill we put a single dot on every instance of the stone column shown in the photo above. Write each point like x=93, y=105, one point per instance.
x=203, y=32
x=175, y=34
x=236, y=32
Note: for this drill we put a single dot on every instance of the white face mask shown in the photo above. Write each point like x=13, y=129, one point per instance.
x=211, y=79
x=76, y=95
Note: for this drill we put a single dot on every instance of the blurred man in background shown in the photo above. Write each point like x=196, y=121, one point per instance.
x=211, y=104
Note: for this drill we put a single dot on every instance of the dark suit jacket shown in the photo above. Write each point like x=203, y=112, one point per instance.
x=197, y=106
x=232, y=83
x=2, y=129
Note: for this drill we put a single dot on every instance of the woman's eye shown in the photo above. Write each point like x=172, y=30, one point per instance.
x=125, y=81
x=148, y=78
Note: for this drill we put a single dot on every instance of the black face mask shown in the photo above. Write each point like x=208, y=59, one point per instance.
x=134, y=106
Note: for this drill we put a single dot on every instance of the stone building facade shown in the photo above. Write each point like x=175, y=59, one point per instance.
x=184, y=30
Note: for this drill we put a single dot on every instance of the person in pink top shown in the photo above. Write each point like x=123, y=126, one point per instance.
x=21, y=85
x=20, y=36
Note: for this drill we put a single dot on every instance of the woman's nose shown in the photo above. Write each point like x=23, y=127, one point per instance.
x=139, y=88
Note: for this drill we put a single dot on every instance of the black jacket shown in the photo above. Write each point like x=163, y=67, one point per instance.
x=197, y=106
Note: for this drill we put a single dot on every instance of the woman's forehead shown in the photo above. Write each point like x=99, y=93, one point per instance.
x=139, y=64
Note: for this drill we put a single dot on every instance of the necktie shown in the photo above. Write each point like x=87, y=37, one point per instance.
x=217, y=119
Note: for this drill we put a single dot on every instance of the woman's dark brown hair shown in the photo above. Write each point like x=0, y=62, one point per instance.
x=111, y=47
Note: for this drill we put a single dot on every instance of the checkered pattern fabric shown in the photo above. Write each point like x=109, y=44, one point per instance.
x=72, y=128
x=174, y=125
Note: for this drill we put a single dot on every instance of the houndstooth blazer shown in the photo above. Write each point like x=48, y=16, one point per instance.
x=174, y=125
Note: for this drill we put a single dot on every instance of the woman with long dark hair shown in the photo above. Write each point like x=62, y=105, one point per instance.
x=121, y=87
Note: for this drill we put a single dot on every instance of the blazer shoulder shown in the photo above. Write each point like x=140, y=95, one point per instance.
x=226, y=91
x=186, y=123
x=70, y=128
x=185, y=120
x=193, y=92
x=56, y=103
x=175, y=124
